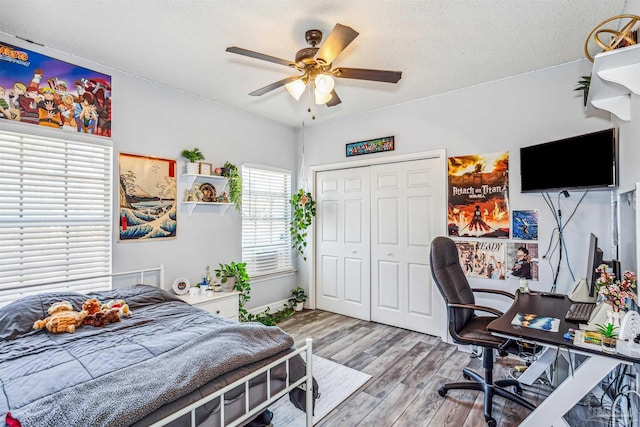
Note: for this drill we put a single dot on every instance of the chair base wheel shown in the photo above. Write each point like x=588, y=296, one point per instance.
x=491, y=422
x=466, y=377
x=442, y=391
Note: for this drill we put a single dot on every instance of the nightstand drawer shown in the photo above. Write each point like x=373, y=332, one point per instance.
x=224, y=304
x=227, y=307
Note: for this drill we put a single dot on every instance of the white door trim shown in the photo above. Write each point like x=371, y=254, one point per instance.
x=311, y=256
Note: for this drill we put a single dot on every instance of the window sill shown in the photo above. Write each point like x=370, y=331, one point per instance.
x=271, y=276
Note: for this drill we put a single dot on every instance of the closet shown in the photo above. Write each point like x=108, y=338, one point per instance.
x=374, y=226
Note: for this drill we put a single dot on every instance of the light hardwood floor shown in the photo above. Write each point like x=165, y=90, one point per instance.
x=407, y=368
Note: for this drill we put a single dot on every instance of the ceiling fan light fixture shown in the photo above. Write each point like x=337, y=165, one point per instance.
x=296, y=88
x=322, y=98
x=324, y=83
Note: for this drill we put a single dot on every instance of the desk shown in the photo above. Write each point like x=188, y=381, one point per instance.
x=589, y=374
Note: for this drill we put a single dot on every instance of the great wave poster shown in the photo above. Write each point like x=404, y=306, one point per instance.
x=478, y=195
x=147, y=198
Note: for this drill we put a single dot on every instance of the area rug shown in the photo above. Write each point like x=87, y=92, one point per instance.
x=335, y=383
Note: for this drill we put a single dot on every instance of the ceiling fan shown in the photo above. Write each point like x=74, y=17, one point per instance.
x=315, y=64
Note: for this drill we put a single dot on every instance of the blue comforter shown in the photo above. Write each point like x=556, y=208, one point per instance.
x=117, y=374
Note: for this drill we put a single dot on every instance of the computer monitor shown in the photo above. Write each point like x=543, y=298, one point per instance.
x=593, y=262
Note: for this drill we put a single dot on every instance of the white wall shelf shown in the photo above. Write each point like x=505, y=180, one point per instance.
x=221, y=208
x=220, y=184
x=216, y=180
x=615, y=76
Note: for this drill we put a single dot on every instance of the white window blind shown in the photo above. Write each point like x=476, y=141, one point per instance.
x=266, y=214
x=55, y=215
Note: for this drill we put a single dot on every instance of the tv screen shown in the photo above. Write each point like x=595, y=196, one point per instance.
x=580, y=162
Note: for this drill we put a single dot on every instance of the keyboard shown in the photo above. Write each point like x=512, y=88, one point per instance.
x=579, y=312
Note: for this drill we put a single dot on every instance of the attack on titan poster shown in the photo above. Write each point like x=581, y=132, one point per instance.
x=479, y=195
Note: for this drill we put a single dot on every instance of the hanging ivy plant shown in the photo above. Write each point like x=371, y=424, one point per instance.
x=230, y=171
x=304, y=209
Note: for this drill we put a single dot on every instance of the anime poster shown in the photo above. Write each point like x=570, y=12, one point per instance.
x=147, y=198
x=522, y=260
x=482, y=259
x=525, y=225
x=478, y=195
x=44, y=91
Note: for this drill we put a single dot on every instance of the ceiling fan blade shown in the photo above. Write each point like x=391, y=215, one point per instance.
x=262, y=56
x=273, y=86
x=341, y=36
x=335, y=99
x=366, y=74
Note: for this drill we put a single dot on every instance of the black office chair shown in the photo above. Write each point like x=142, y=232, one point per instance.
x=466, y=327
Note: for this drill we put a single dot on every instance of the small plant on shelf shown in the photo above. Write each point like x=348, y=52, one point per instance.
x=304, y=209
x=192, y=155
x=298, y=297
x=192, y=168
x=230, y=171
x=609, y=334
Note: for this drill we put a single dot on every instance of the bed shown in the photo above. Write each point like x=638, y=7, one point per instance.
x=168, y=364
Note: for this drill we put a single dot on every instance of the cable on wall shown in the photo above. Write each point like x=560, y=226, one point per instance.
x=558, y=231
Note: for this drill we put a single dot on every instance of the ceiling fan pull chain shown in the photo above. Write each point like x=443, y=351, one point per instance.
x=302, y=177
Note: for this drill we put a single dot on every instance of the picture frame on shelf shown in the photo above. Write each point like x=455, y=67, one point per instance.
x=181, y=286
x=206, y=168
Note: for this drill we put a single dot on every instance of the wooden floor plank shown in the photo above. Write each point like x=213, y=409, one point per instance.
x=351, y=412
x=391, y=407
x=421, y=409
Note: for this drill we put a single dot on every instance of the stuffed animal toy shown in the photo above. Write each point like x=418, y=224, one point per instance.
x=61, y=318
x=91, y=306
x=101, y=318
x=118, y=304
x=97, y=314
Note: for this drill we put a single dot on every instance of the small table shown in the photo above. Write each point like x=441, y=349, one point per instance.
x=223, y=304
x=584, y=378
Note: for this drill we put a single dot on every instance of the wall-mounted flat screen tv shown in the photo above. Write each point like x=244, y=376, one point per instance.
x=587, y=161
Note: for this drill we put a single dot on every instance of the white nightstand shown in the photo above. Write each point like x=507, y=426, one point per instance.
x=223, y=304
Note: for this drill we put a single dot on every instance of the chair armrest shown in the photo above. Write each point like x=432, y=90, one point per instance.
x=494, y=291
x=477, y=307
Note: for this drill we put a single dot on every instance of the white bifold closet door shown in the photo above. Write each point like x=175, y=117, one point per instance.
x=375, y=225
x=406, y=215
x=343, y=242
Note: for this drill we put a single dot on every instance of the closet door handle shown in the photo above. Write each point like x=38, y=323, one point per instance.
x=354, y=252
x=389, y=254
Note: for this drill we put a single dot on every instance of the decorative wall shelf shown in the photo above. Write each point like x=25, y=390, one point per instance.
x=216, y=180
x=219, y=182
x=615, y=76
x=221, y=208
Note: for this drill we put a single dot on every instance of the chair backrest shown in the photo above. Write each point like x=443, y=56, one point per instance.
x=451, y=282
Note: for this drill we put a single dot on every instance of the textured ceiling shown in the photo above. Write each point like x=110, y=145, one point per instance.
x=438, y=45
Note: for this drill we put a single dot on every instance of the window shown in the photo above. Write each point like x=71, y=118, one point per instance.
x=266, y=214
x=55, y=215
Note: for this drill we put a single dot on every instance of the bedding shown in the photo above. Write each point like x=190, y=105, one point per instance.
x=124, y=372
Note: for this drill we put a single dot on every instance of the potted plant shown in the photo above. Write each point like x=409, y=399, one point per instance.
x=304, y=209
x=583, y=85
x=230, y=171
x=192, y=156
x=298, y=297
x=232, y=276
x=609, y=334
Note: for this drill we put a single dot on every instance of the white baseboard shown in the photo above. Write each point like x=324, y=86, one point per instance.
x=274, y=306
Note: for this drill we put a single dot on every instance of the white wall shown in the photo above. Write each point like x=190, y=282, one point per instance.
x=153, y=120
x=498, y=116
